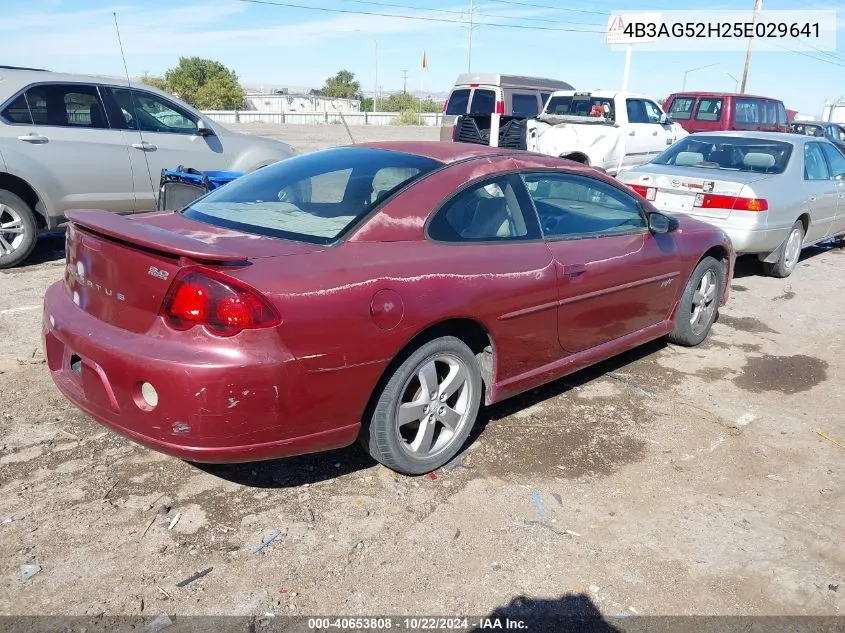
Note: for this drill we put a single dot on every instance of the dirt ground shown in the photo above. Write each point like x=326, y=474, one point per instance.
x=668, y=481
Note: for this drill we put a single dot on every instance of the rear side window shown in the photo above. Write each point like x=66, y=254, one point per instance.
x=18, y=112
x=747, y=112
x=815, y=165
x=458, y=101
x=681, y=108
x=524, y=105
x=636, y=111
x=709, y=110
x=66, y=105
x=483, y=102
x=488, y=211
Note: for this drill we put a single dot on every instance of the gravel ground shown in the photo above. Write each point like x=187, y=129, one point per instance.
x=668, y=481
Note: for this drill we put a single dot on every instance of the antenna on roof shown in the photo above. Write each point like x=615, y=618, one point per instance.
x=143, y=146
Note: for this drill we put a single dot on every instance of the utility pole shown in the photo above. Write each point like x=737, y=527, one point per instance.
x=758, y=5
x=469, y=48
x=404, y=81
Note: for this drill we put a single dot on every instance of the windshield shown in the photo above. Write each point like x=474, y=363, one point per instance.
x=807, y=129
x=312, y=198
x=596, y=107
x=725, y=152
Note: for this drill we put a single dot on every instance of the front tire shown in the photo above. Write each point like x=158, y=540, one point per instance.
x=427, y=409
x=18, y=229
x=789, y=254
x=699, y=304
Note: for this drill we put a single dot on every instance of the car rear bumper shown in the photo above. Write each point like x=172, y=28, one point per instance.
x=215, y=404
x=747, y=236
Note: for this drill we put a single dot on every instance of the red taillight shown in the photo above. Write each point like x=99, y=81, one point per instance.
x=649, y=193
x=455, y=131
x=221, y=304
x=500, y=107
x=716, y=201
x=445, y=105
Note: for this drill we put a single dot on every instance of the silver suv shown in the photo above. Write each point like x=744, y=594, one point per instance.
x=71, y=142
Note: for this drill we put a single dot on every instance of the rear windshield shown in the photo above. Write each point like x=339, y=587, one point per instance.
x=681, y=108
x=483, y=102
x=808, y=130
x=313, y=198
x=457, y=103
x=580, y=106
x=730, y=153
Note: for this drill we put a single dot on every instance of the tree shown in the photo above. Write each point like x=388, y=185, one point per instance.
x=203, y=83
x=155, y=82
x=342, y=86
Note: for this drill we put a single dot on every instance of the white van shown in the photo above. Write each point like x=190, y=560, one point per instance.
x=490, y=93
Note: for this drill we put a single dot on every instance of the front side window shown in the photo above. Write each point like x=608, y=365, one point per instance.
x=728, y=152
x=458, y=101
x=488, y=211
x=147, y=112
x=652, y=112
x=835, y=159
x=709, y=110
x=313, y=198
x=66, y=105
x=815, y=166
x=524, y=105
x=572, y=206
x=807, y=129
x=681, y=108
x=783, y=119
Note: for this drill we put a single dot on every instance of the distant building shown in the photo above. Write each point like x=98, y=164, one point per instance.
x=312, y=101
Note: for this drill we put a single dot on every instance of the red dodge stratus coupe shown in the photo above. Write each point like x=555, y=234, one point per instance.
x=377, y=292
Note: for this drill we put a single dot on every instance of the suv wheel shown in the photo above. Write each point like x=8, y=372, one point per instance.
x=18, y=229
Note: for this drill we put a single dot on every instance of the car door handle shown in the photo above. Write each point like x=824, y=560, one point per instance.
x=33, y=138
x=144, y=146
x=812, y=198
x=632, y=133
x=573, y=270
x=654, y=133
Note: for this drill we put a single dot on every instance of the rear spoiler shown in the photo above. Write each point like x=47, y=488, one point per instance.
x=125, y=229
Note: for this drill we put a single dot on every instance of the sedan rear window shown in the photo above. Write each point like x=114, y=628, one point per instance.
x=313, y=198
x=727, y=152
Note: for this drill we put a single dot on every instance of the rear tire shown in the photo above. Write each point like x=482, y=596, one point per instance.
x=699, y=304
x=789, y=254
x=18, y=229
x=427, y=409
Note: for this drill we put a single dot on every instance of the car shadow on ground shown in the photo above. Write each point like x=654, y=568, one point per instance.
x=570, y=612
x=309, y=469
x=50, y=247
x=750, y=266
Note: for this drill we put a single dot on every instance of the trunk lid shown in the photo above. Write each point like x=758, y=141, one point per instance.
x=677, y=188
x=119, y=268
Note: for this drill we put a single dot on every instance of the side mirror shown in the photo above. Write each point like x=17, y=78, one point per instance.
x=659, y=223
x=840, y=177
x=203, y=129
x=665, y=119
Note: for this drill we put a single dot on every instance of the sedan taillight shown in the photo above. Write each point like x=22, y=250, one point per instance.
x=716, y=201
x=649, y=193
x=218, y=302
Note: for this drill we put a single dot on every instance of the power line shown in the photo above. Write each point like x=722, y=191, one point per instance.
x=462, y=13
x=420, y=17
x=818, y=59
x=545, y=6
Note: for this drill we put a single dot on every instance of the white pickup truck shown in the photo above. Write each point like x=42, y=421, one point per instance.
x=602, y=128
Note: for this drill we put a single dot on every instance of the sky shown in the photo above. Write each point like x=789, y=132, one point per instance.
x=270, y=44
